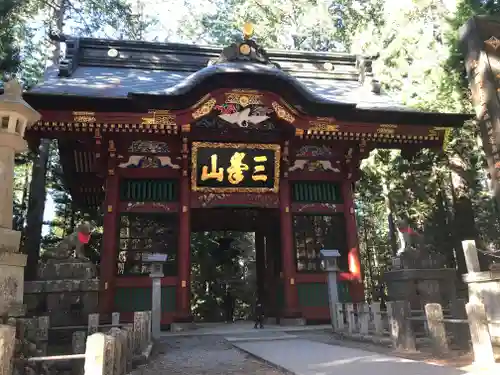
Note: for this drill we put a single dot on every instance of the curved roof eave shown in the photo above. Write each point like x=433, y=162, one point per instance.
x=237, y=75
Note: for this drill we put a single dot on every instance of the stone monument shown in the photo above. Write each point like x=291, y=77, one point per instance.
x=417, y=275
x=15, y=116
x=67, y=286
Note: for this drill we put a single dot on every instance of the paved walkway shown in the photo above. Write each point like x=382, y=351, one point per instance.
x=305, y=357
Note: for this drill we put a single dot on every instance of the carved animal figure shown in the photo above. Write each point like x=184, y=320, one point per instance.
x=72, y=244
x=327, y=165
x=135, y=161
x=298, y=164
x=243, y=118
x=313, y=165
x=408, y=238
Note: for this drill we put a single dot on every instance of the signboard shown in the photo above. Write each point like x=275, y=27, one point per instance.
x=235, y=167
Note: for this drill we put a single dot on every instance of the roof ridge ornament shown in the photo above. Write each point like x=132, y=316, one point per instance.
x=246, y=51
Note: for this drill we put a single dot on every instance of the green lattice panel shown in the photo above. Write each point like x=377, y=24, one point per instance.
x=139, y=299
x=316, y=192
x=316, y=294
x=148, y=190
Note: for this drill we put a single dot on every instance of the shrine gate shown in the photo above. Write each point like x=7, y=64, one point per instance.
x=167, y=139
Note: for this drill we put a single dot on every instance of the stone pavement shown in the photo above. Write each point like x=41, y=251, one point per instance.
x=305, y=357
x=237, y=350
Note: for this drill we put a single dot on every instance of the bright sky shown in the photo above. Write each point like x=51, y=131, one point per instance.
x=164, y=29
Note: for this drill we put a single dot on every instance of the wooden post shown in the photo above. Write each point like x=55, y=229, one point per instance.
x=480, y=333
x=377, y=318
x=109, y=237
x=356, y=289
x=436, y=327
x=401, y=331
x=184, y=250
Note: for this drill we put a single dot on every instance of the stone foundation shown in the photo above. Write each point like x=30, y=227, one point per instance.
x=67, y=291
x=11, y=273
x=420, y=286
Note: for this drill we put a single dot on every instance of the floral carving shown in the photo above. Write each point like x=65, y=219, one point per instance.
x=208, y=199
x=149, y=147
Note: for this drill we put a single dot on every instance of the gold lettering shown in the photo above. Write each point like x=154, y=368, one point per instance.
x=235, y=170
x=217, y=174
x=259, y=169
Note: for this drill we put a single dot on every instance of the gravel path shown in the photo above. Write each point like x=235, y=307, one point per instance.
x=202, y=355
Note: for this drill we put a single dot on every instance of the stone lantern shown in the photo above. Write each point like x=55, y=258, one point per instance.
x=329, y=264
x=156, y=262
x=15, y=117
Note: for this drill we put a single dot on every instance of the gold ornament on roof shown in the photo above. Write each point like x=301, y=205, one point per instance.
x=245, y=49
x=247, y=30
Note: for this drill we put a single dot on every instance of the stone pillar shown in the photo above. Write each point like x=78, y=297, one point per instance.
x=15, y=116
x=340, y=316
x=356, y=288
x=480, y=334
x=351, y=320
x=333, y=295
x=156, y=276
x=436, y=327
x=7, y=343
x=287, y=252
x=184, y=251
x=377, y=318
x=109, y=240
x=461, y=334
x=400, y=328
x=470, y=254
x=115, y=319
x=93, y=324
x=99, y=355
x=364, y=318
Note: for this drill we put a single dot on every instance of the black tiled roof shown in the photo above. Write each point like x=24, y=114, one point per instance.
x=161, y=68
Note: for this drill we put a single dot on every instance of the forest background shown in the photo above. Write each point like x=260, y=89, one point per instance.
x=445, y=194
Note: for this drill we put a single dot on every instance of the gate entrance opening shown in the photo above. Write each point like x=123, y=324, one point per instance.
x=235, y=261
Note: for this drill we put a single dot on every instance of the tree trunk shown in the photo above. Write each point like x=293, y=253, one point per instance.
x=36, y=205
x=390, y=217
x=464, y=226
x=36, y=208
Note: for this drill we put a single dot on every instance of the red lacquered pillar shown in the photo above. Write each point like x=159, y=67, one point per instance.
x=184, y=249
x=356, y=287
x=287, y=244
x=109, y=241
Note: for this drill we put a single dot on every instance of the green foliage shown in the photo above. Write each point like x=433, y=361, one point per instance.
x=222, y=261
